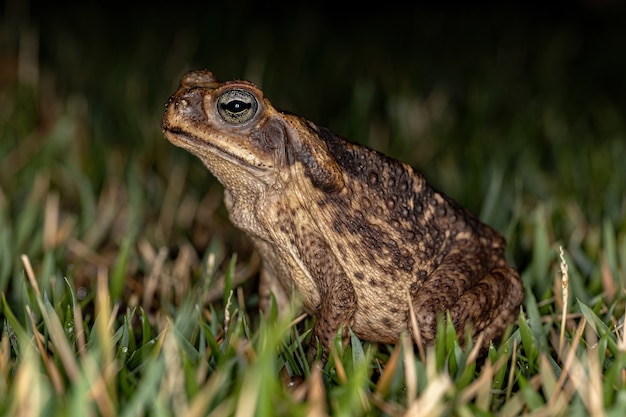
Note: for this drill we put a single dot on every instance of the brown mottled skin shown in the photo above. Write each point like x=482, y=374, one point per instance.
x=357, y=234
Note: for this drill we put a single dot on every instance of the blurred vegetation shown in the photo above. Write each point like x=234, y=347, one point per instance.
x=516, y=112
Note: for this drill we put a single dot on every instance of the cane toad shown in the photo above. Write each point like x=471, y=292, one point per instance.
x=356, y=234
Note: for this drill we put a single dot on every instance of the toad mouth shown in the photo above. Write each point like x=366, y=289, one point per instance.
x=192, y=143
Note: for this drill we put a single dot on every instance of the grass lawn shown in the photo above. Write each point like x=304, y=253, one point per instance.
x=126, y=291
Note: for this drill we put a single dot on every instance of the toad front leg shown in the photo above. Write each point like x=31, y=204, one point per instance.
x=338, y=298
x=337, y=310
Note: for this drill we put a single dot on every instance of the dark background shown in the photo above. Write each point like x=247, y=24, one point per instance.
x=530, y=93
x=309, y=58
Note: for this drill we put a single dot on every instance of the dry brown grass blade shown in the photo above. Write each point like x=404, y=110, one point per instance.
x=384, y=382
x=316, y=393
x=571, y=354
x=342, y=376
x=181, y=271
x=587, y=378
x=98, y=390
x=30, y=396
x=410, y=375
x=102, y=387
x=608, y=281
x=432, y=402
x=481, y=387
x=476, y=349
x=55, y=328
x=173, y=384
x=30, y=274
x=201, y=402
x=242, y=274
x=6, y=365
x=81, y=251
x=53, y=371
x=621, y=344
x=109, y=210
x=51, y=221
x=516, y=403
x=151, y=283
x=171, y=199
x=417, y=335
x=80, y=330
x=558, y=400
x=564, y=295
x=596, y=403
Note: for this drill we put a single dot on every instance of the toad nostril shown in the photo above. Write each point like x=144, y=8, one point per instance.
x=191, y=98
x=188, y=104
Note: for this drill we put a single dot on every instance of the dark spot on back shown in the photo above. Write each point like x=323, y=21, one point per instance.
x=422, y=275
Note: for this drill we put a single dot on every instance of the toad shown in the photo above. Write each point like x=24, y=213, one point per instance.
x=359, y=236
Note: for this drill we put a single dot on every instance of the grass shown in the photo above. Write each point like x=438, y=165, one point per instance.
x=125, y=291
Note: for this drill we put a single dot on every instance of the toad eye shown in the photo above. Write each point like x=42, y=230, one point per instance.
x=237, y=106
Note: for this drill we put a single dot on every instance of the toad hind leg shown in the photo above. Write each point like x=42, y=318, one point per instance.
x=486, y=299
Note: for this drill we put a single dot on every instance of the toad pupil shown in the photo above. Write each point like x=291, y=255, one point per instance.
x=236, y=106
